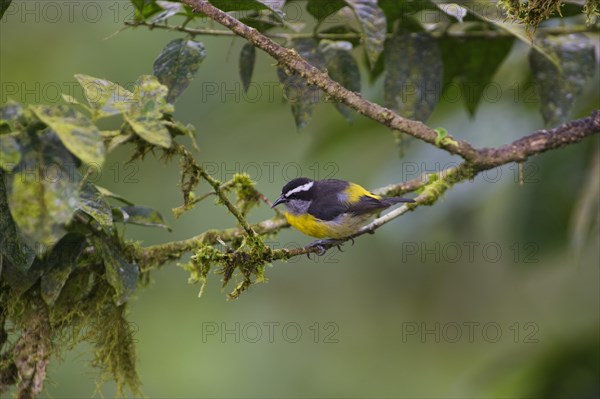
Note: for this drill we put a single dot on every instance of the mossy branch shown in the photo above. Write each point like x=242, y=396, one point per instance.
x=194, y=169
x=429, y=188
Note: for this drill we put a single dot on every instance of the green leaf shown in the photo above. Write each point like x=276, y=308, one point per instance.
x=403, y=9
x=146, y=113
x=177, y=64
x=559, y=88
x=298, y=93
x=150, y=129
x=59, y=264
x=373, y=24
x=247, y=59
x=109, y=194
x=343, y=68
x=170, y=8
x=75, y=130
x=104, y=97
x=120, y=274
x=473, y=62
x=43, y=189
x=140, y=215
x=145, y=9
x=414, y=75
x=441, y=134
x=93, y=203
x=442, y=138
x=10, y=152
x=4, y=4
x=322, y=9
x=12, y=245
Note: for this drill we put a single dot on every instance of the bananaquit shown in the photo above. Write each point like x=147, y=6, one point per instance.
x=330, y=208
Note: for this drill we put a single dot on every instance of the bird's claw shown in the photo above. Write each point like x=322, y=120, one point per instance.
x=324, y=245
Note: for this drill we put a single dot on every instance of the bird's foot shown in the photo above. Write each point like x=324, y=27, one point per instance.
x=324, y=245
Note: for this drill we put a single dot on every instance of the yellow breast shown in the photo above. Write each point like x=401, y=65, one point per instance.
x=343, y=226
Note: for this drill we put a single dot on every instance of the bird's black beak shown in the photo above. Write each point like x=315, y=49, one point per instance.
x=278, y=201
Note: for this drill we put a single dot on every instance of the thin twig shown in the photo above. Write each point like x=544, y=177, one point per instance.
x=488, y=34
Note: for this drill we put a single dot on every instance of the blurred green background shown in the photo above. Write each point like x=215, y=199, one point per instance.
x=482, y=295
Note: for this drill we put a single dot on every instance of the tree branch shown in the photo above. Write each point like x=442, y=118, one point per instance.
x=538, y=142
x=216, y=185
x=432, y=186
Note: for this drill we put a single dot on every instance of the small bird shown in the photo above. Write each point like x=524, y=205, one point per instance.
x=330, y=208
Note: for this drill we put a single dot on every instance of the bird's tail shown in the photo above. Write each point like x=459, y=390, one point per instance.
x=389, y=201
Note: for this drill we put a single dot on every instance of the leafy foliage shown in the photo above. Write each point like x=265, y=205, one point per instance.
x=58, y=243
x=177, y=64
x=342, y=68
x=414, y=75
x=301, y=95
x=472, y=63
x=246, y=65
x=558, y=87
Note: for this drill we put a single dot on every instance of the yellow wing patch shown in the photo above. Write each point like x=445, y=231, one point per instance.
x=354, y=192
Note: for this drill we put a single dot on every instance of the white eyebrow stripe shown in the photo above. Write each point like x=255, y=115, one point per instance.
x=304, y=187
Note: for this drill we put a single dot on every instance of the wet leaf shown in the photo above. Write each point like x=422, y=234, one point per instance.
x=150, y=129
x=413, y=79
x=75, y=130
x=454, y=10
x=274, y=4
x=177, y=64
x=559, y=88
x=10, y=152
x=93, y=203
x=322, y=9
x=59, y=264
x=109, y=194
x=170, y=8
x=140, y=215
x=343, y=68
x=43, y=189
x=12, y=245
x=247, y=59
x=473, y=62
x=120, y=274
x=145, y=9
x=298, y=93
x=104, y=97
x=373, y=25
x=146, y=113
